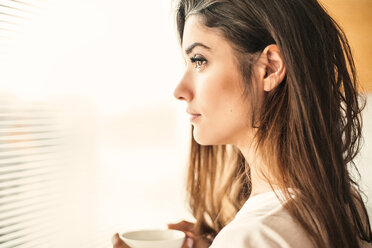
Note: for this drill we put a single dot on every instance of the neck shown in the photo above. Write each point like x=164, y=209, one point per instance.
x=260, y=184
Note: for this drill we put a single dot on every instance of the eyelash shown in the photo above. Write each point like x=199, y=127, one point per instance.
x=198, y=60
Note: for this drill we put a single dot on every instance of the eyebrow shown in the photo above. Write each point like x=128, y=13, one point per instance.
x=192, y=46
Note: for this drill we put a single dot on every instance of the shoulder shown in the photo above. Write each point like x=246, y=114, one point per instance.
x=274, y=228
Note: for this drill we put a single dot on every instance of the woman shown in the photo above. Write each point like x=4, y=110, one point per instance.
x=271, y=90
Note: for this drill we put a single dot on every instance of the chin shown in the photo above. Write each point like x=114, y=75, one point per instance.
x=205, y=140
x=203, y=143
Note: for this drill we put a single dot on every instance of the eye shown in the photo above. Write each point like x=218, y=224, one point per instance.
x=199, y=61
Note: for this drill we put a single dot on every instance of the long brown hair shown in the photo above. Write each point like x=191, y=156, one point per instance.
x=311, y=122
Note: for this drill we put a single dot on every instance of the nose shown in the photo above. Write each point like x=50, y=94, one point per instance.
x=183, y=90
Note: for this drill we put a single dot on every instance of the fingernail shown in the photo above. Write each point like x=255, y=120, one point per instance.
x=189, y=234
x=190, y=243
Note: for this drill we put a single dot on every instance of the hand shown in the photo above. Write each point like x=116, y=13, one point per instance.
x=193, y=240
x=118, y=243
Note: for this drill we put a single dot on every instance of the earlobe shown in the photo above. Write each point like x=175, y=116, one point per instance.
x=275, y=69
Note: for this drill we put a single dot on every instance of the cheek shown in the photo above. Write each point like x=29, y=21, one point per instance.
x=224, y=112
x=219, y=95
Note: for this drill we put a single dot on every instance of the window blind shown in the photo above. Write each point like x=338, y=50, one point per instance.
x=27, y=146
x=41, y=183
x=30, y=142
x=13, y=13
x=46, y=201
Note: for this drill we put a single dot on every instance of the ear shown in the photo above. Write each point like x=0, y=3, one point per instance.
x=274, y=67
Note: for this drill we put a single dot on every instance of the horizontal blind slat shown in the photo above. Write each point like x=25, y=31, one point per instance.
x=24, y=166
x=25, y=130
x=28, y=151
x=36, y=143
x=27, y=137
x=27, y=173
x=26, y=158
x=18, y=3
x=25, y=122
x=17, y=183
x=27, y=190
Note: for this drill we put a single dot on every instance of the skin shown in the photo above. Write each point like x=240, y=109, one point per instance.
x=212, y=87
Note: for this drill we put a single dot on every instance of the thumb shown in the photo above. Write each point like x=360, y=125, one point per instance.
x=117, y=242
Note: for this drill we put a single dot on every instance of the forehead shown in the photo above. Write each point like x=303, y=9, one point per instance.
x=196, y=31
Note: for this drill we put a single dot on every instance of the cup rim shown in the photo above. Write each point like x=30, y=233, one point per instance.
x=182, y=235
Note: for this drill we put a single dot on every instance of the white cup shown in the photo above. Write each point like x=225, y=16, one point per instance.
x=158, y=238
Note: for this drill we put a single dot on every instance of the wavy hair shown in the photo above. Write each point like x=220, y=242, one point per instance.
x=310, y=124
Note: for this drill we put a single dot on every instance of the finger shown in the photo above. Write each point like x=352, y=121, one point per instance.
x=196, y=241
x=118, y=243
x=182, y=226
x=189, y=243
x=184, y=245
x=191, y=235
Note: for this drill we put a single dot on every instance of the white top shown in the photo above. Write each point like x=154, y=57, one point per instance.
x=262, y=222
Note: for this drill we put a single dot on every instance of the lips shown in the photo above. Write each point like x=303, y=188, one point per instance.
x=193, y=114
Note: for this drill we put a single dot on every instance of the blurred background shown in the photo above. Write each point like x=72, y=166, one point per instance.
x=91, y=140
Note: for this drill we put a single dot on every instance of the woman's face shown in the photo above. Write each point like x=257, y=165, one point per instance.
x=212, y=87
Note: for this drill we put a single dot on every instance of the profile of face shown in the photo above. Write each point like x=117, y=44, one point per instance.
x=212, y=86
